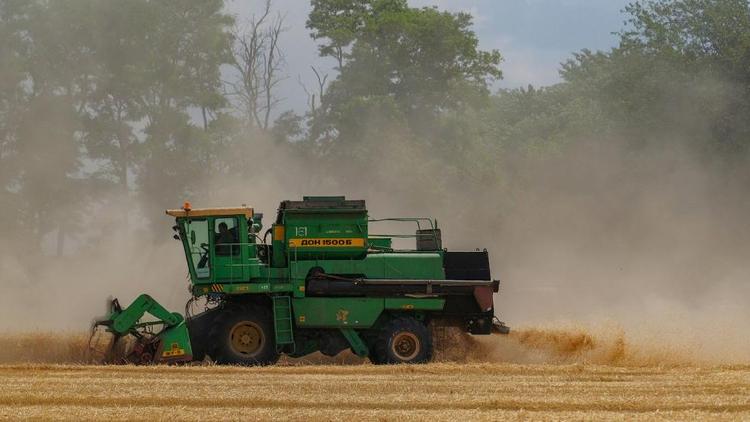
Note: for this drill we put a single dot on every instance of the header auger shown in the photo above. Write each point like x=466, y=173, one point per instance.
x=317, y=280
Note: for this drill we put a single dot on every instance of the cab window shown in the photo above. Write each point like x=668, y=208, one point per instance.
x=226, y=236
x=197, y=231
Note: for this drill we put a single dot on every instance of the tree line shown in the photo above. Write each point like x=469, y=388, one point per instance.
x=142, y=99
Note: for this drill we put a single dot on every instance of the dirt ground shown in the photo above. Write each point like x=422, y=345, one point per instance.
x=440, y=391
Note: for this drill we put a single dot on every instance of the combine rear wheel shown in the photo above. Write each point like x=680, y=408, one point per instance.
x=243, y=335
x=402, y=340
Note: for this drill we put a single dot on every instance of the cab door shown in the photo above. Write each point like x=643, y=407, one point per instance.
x=229, y=249
x=197, y=249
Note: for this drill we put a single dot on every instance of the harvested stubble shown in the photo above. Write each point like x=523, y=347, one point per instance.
x=535, y=373
x=439, y=391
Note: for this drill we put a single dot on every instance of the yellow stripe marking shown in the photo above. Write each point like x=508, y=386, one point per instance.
x=308, y=242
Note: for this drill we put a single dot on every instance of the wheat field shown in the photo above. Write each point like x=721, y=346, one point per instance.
x=567, y=375
x=439, y=391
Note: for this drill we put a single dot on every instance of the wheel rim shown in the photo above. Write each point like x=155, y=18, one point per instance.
x=405, y=346
x=246, y=338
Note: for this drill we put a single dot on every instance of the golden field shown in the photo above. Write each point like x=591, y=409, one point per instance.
x=440, y=391
x=533, y=374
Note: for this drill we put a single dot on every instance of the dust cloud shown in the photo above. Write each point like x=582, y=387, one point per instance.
x=603, y=256
x=656, y=247
x=657, y=244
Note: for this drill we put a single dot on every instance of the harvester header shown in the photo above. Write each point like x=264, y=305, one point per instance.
x=318, y=279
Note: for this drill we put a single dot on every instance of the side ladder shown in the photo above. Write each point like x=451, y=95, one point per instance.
x=282, y=320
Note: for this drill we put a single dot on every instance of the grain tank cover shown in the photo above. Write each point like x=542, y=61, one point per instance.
x=324, y=227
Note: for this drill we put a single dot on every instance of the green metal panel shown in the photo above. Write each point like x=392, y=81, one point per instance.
x=175, y=344
x=336, y=312
x=278, y=247
x=380, y=243
x=425, y=265
x=414, y=304
x=324, y=312
x=127, y=318
x=242, y=288
x=404, y=265
x=325, y=228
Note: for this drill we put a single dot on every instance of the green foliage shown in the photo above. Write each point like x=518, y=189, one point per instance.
x=700, y=53
x=41, y=156
x=424, y=58
x=339, y=22
x=401, y=68
x=701, y=32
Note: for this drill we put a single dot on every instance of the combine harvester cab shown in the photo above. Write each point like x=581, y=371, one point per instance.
x=316, y=280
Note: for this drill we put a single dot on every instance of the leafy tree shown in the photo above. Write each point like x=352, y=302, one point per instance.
x=116, y=100
x=186, y=43
x=396, y=62
x=120, y=85
x=340, y=23
x=12, y=96
x=708, y=33
x=707, y=45
x=47, y=74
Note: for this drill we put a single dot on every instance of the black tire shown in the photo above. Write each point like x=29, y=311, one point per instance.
x=243, y=335
x=402, y=340
x=199, y=328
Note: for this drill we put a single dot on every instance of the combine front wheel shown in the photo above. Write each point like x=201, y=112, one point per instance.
x=243, y=335
x=402, y=340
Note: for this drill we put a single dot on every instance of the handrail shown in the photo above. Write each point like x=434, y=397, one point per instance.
x=404, y=219
x=230, y=265
x=417, y=220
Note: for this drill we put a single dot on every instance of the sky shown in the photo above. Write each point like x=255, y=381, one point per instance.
x=534, y=37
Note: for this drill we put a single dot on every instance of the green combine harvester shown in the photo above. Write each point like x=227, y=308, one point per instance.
x=316, y=280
